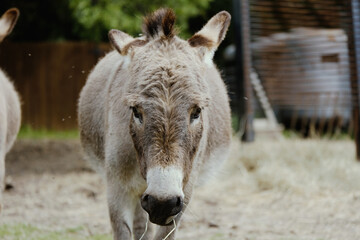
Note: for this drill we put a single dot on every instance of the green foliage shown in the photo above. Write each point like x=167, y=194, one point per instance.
x=95, y=17
x=27, y=232
x=235, y=122
x=291, y=134
x=27, y=132
x=91, y=20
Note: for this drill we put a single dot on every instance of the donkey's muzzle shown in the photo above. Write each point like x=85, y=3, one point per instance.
x=161, y=212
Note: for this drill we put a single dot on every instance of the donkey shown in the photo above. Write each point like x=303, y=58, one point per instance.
x=154, y=121
x=10, y=113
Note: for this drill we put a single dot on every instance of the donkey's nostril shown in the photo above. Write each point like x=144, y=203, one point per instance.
x=179, y=202
x=145, y=198
x=145, y=203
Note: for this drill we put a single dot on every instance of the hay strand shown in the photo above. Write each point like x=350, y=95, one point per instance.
x=146, y=227
x=171, y=230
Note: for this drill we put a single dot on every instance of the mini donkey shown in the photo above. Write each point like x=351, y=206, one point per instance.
x=10, y=113
x=154, y=121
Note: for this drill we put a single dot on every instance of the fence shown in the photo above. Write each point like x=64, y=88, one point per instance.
x=306, y=53
x=49, y=77
x=300, y=50
x=303, y=52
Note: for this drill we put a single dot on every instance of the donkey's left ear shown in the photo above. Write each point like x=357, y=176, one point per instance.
x=120, y=40
x=212, y=34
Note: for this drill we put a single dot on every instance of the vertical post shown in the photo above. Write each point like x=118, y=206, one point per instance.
x=244, y=92
x=354, y=47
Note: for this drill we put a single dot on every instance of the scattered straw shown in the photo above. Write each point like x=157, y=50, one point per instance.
x=295, y=165
x=171, y=230
x=146, y=227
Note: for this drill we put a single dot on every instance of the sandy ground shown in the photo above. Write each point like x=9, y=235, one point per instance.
x=293, y=189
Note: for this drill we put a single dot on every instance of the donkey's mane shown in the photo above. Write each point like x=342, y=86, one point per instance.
x=159, y=23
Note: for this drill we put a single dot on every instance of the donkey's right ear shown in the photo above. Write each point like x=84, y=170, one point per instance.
x=120, y=40
x=8, y=21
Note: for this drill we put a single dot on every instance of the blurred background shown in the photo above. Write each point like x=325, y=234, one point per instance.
x=292, y=68
x=56, y=44
x=291, y=63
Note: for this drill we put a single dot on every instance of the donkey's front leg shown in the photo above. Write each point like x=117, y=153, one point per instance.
x=2, y=176
x=143, y=228
x=121, y=209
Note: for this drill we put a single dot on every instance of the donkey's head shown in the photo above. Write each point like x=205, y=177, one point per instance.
x=7, y=22
x=168, y=100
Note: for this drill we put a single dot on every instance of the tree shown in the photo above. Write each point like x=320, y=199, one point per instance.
x=96, y=17
x=43, y=20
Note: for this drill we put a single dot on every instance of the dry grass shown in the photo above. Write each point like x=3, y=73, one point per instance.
x=269, y=190
x=296, y=165
x=291, y=189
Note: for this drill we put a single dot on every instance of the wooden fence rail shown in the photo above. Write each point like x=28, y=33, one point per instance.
x=49, y=77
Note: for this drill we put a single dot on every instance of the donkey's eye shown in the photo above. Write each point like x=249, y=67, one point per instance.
x=195, y=114
x=137, y=114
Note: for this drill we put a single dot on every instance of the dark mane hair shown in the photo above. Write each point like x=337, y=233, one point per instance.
x=159, y=22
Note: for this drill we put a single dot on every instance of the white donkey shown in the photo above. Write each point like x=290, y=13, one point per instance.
x=155, y=119
x=10, y=113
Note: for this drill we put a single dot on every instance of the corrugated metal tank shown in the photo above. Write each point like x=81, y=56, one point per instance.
x=305, y=70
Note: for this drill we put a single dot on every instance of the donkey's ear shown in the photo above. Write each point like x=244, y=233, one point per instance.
x=120, y=40
x=8, y=21
x=212, y=34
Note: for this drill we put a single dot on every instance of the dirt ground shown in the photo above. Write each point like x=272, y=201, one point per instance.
x=292, y=189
